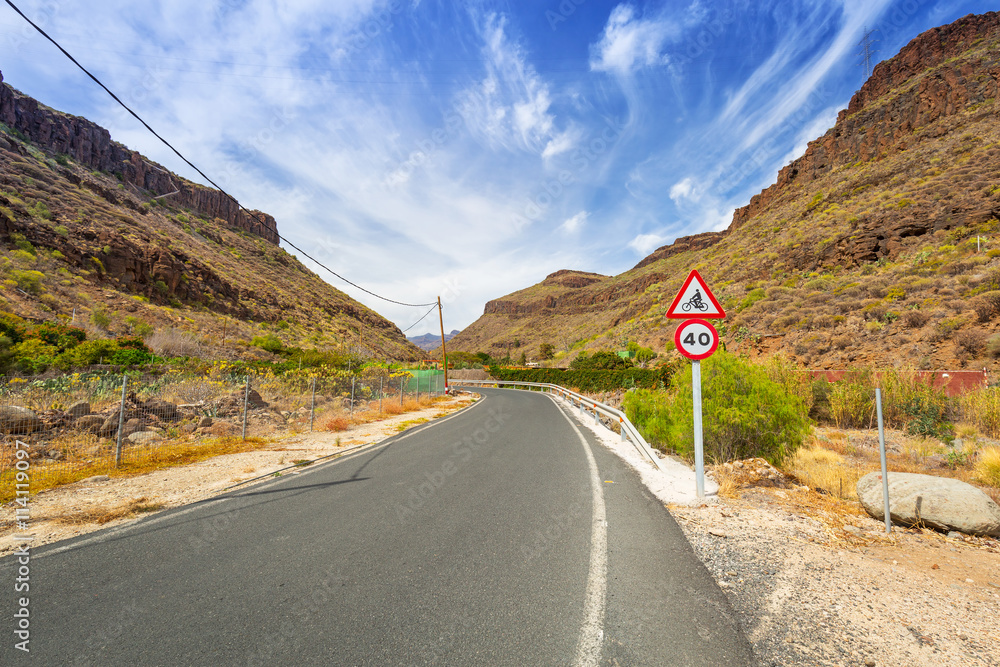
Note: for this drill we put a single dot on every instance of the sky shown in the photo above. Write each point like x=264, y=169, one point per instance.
x=466, y=149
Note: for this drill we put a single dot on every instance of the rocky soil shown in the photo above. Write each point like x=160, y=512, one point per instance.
x=815, y=591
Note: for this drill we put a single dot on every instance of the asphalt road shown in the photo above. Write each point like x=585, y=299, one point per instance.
x=502, y=535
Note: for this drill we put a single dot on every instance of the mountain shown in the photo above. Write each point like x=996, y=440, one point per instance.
x=430, y=341
x=880, y=245
x=95, y=232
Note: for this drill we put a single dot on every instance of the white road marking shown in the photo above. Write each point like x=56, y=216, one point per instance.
x=588, y=647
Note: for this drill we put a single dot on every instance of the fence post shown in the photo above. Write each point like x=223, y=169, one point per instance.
x=881, y=451
x=352, y=394
x=121, y=423
x=381, y=381
x=246, y=402
x=418, y=389
x=400, y=391
x=312, y=408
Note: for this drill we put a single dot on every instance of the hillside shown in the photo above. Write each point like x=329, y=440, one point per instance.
x=880, y=245
x=96, y=234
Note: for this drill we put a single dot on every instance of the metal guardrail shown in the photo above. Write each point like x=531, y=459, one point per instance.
x=584, y=403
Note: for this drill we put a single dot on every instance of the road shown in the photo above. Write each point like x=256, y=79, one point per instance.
x=501, y=535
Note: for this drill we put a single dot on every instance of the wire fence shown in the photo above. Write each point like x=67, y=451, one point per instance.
x=97, y=422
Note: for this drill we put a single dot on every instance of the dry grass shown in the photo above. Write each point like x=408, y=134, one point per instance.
x=821, y=468
x=164, y=456
x=988, y=466
x=337, y=423
x=102, y=515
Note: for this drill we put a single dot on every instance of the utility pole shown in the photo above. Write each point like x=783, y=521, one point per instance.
x=444, y=353
x=867, y=51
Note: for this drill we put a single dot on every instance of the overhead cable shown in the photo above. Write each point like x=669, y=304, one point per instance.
x=200, y=172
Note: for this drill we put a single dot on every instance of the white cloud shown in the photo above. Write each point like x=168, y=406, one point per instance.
x=574, y=224
x=646, y=243
x=630, y=42
x=683, y=190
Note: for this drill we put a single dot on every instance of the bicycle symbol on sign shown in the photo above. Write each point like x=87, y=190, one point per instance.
x=695, y=302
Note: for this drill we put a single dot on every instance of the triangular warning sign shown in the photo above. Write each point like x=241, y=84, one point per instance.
x=695, y=300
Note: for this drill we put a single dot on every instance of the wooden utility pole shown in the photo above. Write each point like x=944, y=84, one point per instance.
x=444, y=352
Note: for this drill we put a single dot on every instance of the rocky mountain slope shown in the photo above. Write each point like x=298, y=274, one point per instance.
x=880, y=245
x=96, y=234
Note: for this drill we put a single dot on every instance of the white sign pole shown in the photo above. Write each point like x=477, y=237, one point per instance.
x=699, y=450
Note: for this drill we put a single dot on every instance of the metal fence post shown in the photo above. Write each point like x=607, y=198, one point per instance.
x=418, y=389
x=352, y=394
x=246, y=402
x=121, y=424
x=312, y=408
x=400, y=391
x=381, y=384
x=881, y=450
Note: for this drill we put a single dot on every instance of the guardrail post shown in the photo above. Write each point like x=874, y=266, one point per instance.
x=621, y=427
x=597, y=417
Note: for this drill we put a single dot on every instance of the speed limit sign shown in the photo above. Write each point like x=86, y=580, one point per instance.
x=696, y=339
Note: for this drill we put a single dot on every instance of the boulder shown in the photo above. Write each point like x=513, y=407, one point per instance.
x=79, y=409
x=144, y=438
x=90, y=422
x=163, y=409
x=936, y=502
x=15, y=419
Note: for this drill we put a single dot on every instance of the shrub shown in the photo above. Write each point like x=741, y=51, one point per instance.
x=100, y=318
x=649, y=411
x=90, y=352
x=29, y=281
x=986, y=305
x=174, y=343
x=982, y=408
x=601, y=360
x=993, y=347
x=972, y=341
x=852, y=401
x=588, y=380
x=34, y=355
x=914, y=319
x=988, y=466
x=546, y=351
x=745, y=413
x=270, y=343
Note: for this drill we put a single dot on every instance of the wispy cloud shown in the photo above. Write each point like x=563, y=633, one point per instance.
x=630, y=42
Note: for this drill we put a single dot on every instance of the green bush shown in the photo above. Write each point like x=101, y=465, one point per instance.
x=34, y=355
x=601, y=360
x=587, y=380
x=745, y=413
x=90, y=352
x=270, y=343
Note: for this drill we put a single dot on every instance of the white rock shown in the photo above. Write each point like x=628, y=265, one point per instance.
x=937, y=502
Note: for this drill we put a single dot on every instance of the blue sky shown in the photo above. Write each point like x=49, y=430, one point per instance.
x=468, y=149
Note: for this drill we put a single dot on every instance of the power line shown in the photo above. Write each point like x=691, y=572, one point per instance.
x=203, y=175
x=433, y=308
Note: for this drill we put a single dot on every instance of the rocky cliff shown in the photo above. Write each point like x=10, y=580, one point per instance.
x=877, y=245
x=91, y=146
